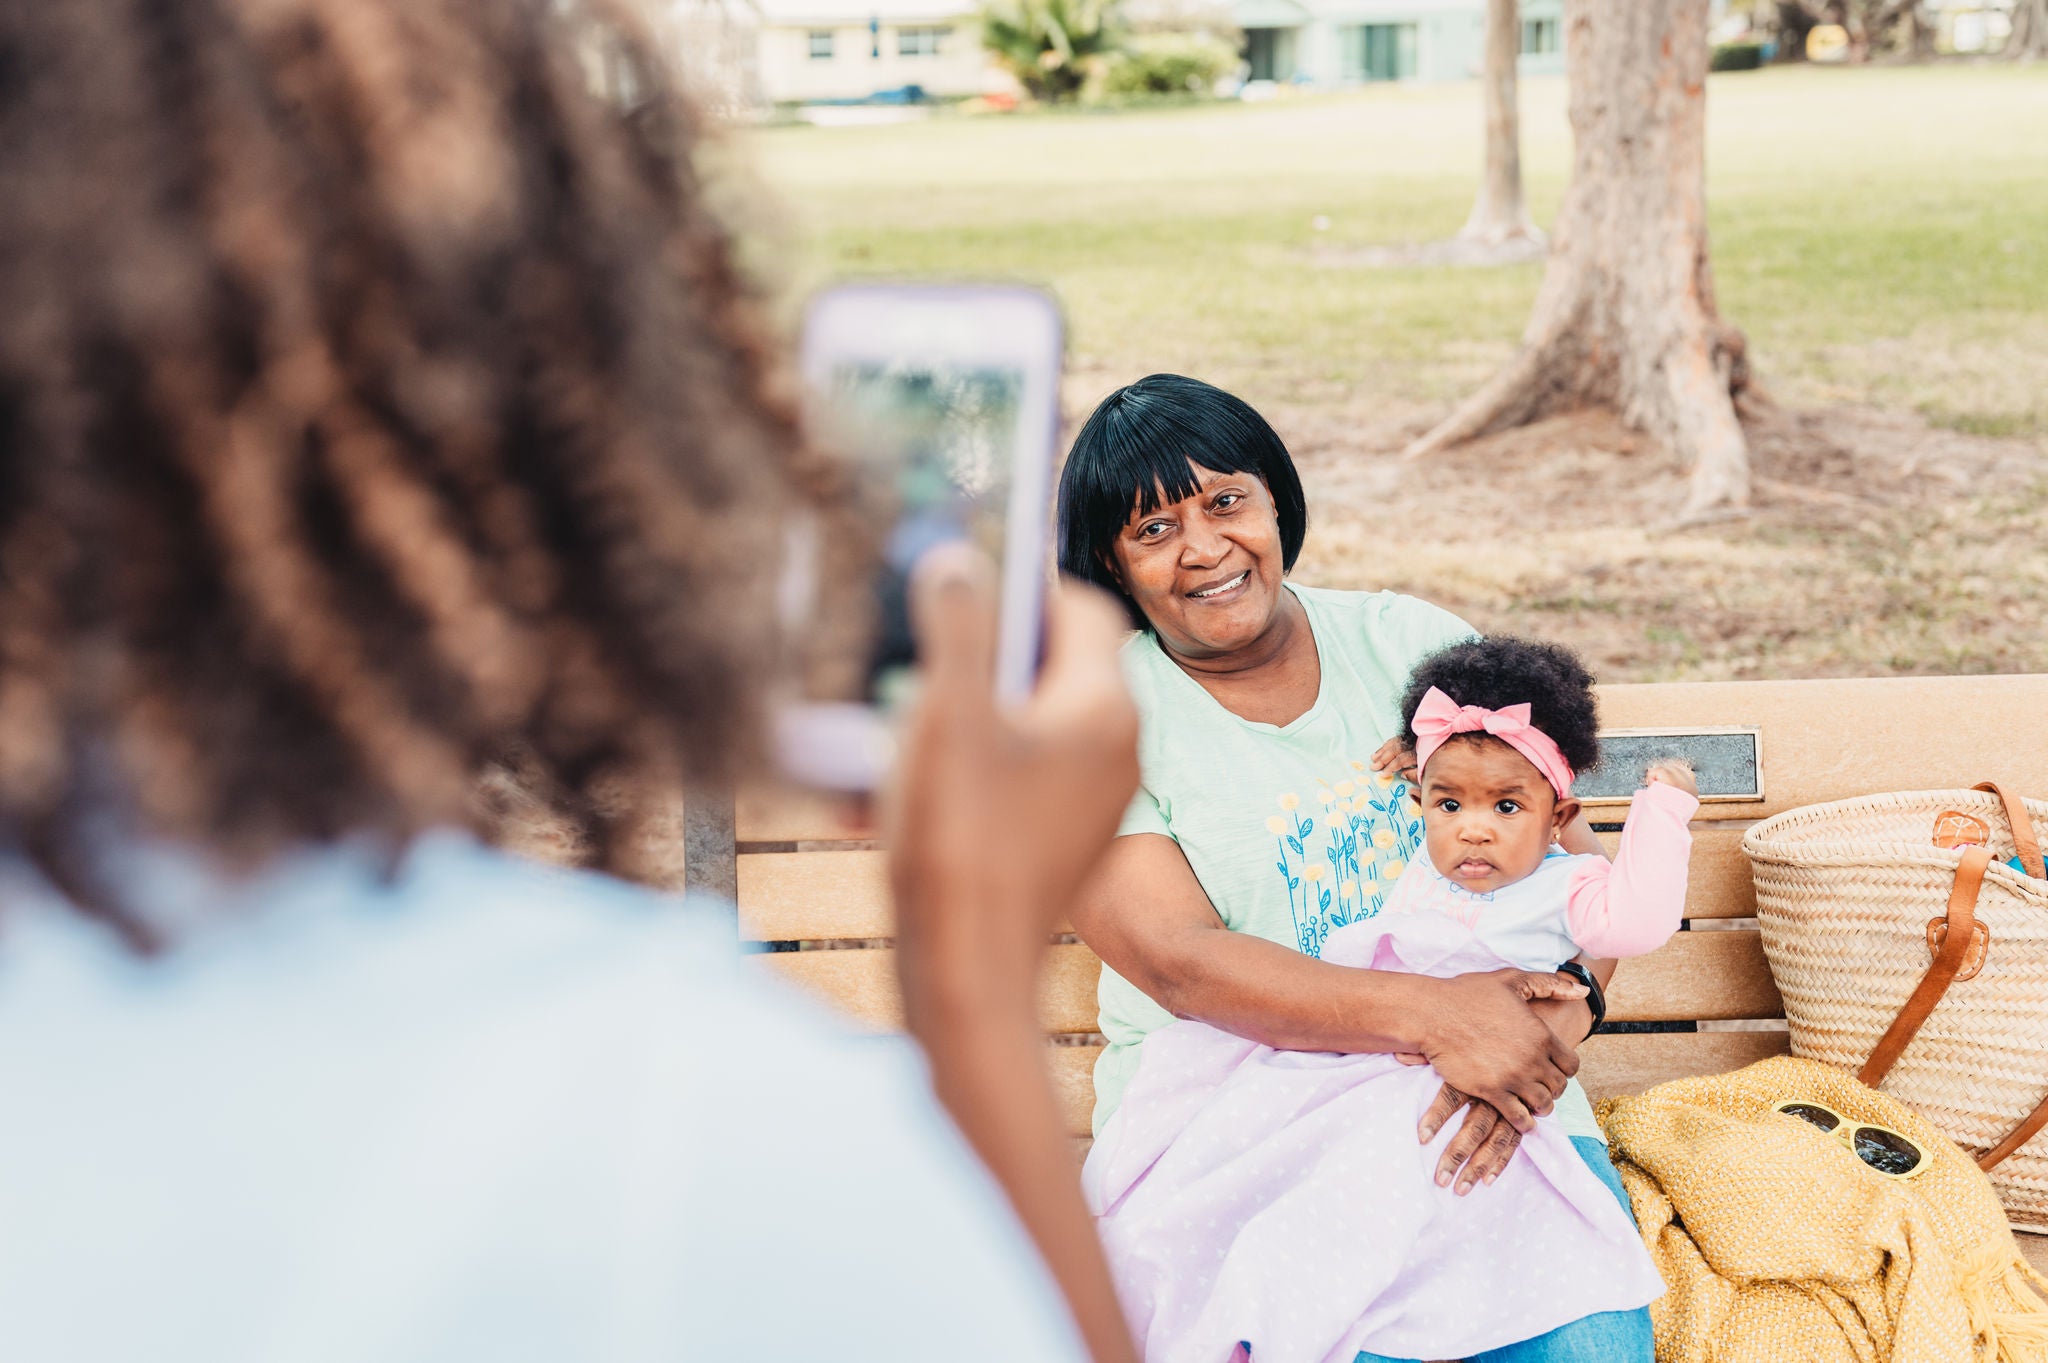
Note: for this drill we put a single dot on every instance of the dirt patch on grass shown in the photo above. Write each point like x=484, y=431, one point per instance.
x=1879, y=543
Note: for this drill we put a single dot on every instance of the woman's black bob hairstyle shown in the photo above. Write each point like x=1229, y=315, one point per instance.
x=1139, y=451
x=1501, y=671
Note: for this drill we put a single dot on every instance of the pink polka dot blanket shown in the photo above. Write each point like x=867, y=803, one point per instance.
x=1280, y=1199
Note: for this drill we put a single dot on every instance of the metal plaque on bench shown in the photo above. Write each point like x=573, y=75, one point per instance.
x=1729, y=763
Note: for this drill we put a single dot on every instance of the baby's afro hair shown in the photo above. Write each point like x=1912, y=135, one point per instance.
x=1499, y=672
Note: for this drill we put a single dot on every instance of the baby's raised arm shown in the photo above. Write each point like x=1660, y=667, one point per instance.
x=1633, y=904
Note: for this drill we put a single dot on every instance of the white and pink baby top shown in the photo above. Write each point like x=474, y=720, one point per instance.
x=1279, y=1200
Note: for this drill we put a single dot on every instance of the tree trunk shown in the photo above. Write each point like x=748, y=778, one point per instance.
x=2029, y=40
x=1625, y=318
x=1795, y=21
x=1920, y=33
x=1500, y=214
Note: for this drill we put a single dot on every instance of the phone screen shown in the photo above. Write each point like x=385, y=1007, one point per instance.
x=945, y=437
x=944, y=401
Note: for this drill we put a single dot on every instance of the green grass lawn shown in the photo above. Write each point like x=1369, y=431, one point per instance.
x=1881, y=234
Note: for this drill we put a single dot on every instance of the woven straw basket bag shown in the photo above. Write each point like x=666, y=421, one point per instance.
x=1923, y=968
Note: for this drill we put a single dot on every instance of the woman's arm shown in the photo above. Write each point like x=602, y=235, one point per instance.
x=996, y=819
x=1146, y=915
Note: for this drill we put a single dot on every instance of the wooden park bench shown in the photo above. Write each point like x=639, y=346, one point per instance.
x=812, y=892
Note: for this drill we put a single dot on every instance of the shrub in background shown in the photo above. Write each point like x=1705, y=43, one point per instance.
x=1052, y=47
x=1737, y=57
x=1168, y=64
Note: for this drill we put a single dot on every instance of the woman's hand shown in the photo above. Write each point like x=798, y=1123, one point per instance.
x=1481, y=1149
x=1487, y=1042
x=1485, y=1142
x=996, y=818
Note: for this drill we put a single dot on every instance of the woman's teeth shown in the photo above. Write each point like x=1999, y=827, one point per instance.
x=1220, y=587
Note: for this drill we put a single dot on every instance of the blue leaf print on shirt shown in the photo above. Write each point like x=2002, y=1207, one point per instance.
x=1373, y=830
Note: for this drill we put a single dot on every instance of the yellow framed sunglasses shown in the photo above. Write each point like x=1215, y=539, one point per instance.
x=1891, y=1153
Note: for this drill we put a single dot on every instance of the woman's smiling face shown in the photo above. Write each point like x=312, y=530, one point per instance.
x=1206, y=570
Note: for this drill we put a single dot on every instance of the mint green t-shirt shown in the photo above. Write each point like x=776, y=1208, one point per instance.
x=1287, y=828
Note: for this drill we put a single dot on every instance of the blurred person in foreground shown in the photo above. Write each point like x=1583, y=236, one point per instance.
x=375, y=399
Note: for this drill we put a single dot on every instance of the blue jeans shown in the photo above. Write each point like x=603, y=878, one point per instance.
x=1610, y=1337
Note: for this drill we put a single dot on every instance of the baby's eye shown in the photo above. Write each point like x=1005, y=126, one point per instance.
x=1448, y=806
x=1506, y=807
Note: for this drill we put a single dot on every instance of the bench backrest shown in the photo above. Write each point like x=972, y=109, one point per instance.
x=813, y=890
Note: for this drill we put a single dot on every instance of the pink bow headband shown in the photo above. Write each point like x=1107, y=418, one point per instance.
x=1439, y=717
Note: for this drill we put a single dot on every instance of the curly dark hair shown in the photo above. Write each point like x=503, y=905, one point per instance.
x=1503, y=671
x=377, y=397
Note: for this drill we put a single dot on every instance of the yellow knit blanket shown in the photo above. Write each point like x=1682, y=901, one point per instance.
x=1777, y=1244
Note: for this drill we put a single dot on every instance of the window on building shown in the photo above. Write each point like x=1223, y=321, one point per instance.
x=1539, y=35
x=821, y=44
x=920, y=42
x=1377, y=51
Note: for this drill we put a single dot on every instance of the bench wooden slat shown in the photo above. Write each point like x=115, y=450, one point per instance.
x=802, y=896
x=862, y=984
x=818, y=896
x=1613, y=1065
x=1696, y=975
x=795, y=896
x=1719, y=883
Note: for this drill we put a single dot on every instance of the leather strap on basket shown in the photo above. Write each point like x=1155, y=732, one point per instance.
x=1955, y=946
x=1949, y=959
x=2022, y=826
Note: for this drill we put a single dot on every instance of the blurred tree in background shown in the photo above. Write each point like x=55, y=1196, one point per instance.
x=1626, y=318
x=1501, y=213
x=1052, y=47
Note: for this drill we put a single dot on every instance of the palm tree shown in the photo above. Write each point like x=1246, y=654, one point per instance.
x=1050, y=46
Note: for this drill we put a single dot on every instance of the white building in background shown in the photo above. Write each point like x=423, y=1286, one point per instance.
x=810, y=50
x=742, y=54
x=1348, y=42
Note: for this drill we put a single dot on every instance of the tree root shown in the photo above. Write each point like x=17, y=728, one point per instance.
x=1520, y=393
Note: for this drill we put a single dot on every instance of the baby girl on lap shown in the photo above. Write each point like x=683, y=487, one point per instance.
x=1280, y=1199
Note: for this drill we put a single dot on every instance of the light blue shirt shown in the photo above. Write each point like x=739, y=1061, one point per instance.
x=477, y=1110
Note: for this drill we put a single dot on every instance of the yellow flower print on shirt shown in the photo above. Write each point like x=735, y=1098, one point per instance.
x=1340, y=850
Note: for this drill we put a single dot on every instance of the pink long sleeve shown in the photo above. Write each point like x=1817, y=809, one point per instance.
x=1633, y=904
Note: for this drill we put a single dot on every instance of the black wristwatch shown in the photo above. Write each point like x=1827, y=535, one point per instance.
x=1595, y=1000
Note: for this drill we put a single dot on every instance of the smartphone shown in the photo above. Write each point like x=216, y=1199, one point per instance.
x=945, y=397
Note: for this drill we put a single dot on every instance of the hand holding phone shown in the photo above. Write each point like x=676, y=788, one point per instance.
x=946, y=400
x=997, y=816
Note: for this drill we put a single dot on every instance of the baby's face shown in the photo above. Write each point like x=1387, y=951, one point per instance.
x=1488, y=815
